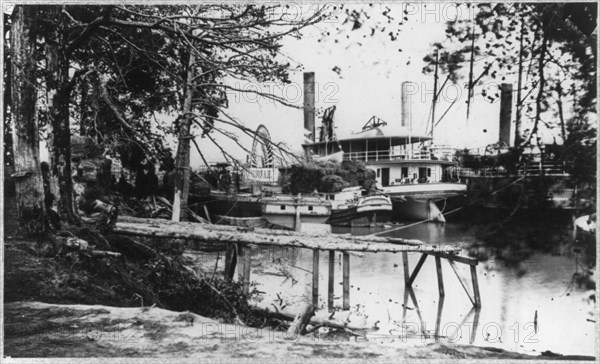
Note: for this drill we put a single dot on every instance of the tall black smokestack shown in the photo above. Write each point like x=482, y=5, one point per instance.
x=309, y=105
x=505, y=113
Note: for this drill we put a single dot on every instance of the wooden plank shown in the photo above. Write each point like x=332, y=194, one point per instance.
x=460, y=279
x=331, y=282
x=247, y=267
x=417, y=269
x=346, y=282
x=315, y=282
x=457, y=258
x=234, y=234
x=406, y=268
x=440, y=276
x=475, y=286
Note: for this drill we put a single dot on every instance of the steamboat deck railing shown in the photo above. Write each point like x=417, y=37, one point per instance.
x=388, y=155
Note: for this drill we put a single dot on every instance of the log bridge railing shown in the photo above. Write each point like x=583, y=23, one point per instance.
x=242, y=240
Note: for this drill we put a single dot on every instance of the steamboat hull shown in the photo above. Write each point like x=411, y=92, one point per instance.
x=355, y=217
x=290, y=212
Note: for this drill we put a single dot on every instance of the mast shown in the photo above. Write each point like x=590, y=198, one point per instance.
x=435, y=94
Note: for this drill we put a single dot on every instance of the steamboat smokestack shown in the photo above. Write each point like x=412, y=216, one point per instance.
x=505, y=113
x=408, y=89
x=309, y=106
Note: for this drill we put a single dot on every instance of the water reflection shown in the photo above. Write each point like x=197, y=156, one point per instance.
x=512, y=296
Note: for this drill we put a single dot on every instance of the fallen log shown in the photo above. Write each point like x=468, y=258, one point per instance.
x=315, y=321
x=231, y=234
x=298, y=326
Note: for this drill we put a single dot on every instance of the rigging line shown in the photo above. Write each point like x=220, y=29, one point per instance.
x=445, y=112
x=399, y=228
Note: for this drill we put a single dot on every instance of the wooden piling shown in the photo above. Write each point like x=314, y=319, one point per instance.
x=247, y=266
x=230, y=262
x=241, y=262
x=413, y=298
x=440, y=278
x=475, y=286
x=331, y=281
x=438, y=319
x=346, y=282
x=406, y=268
x=315, y=282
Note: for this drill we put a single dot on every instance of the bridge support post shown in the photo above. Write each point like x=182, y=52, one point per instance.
x=241, y=262
x=230, y=262
x=315, y=282
x=331, y=280
x=406, y=269
x=440, y=276
x=247, y=266
x=346, y=281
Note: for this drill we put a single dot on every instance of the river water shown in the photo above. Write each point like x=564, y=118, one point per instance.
x=530, y=307
x=512, y=296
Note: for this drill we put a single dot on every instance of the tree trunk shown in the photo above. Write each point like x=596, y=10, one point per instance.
x=28, y=175
x=58, y=91
x=182, y=160
x=83, y=102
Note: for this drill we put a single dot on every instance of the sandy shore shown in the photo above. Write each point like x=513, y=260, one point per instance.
x=34, y=329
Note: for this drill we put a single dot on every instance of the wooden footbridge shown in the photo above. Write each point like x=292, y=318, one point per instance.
x=242, y=240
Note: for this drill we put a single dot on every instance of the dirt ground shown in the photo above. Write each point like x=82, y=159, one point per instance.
x=34, y=329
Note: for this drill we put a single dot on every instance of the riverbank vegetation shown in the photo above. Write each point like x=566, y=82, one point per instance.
x=330, y=176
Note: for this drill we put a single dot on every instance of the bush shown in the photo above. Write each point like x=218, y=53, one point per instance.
x=330, y=176
x=333, y=183
x=305, y=178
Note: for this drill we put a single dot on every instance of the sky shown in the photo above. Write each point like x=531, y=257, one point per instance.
x=362, y=77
